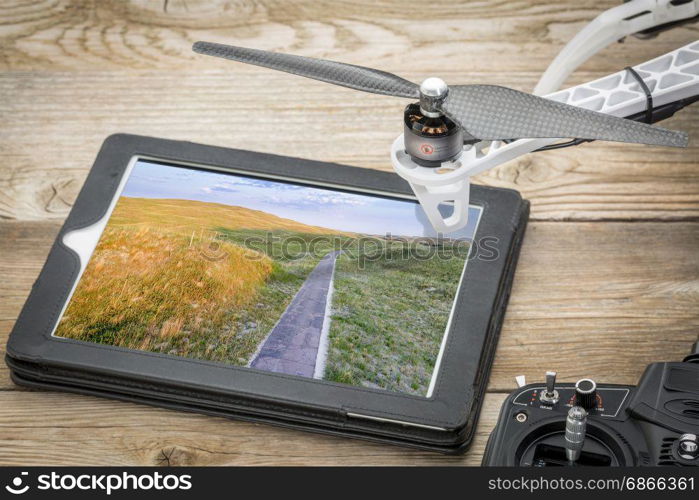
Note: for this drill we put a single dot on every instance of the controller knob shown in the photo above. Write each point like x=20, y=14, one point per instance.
x=586, y=393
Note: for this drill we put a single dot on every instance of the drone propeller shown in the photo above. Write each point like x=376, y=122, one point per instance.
x=486, y=112
x=337, y=73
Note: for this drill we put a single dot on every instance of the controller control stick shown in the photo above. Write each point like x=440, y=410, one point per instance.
x=576, y=424
x=689, y=446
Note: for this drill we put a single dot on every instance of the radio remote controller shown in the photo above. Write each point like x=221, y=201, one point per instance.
x=595, y=424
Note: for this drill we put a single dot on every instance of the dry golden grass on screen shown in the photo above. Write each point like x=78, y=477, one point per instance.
x=185, y=216
x=168, y=277
x=146, y=289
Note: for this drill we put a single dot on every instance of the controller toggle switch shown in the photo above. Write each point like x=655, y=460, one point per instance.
x=549, y=396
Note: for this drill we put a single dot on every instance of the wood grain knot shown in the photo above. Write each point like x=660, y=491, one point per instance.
x=172, y=456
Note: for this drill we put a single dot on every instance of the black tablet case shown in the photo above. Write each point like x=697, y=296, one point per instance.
x=445, y=422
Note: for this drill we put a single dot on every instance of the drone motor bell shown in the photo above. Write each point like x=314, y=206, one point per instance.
x=430, y=141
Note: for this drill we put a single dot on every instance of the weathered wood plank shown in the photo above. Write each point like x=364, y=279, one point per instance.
x=42, y=177
x=497, y=36
x=600, y=300
x=77, y=71
x=85, y=430
x=583, y=292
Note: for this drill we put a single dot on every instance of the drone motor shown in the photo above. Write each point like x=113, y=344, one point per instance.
x=431, y=140
x=431, y=137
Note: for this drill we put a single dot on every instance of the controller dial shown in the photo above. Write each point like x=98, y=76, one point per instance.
x=586, y=393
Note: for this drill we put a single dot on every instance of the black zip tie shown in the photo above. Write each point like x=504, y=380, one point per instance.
x=649, y=114
x=644, y=87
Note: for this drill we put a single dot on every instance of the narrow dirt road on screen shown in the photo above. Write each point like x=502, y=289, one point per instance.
x=292, y=345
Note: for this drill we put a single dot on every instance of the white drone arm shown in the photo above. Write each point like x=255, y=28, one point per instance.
x=610, y=26
x=670, y=78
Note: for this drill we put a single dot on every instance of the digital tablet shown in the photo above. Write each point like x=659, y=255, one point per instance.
x=275, y=289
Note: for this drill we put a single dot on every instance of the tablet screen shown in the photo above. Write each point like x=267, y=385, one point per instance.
x=274, y=275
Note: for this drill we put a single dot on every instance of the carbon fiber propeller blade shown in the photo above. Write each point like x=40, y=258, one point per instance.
x=486, y=112
x=346, y=75
x=490, y=112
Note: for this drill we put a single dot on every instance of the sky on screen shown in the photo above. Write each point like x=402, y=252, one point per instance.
x=310, y=205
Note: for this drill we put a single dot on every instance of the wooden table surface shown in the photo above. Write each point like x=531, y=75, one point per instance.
x=608, y=279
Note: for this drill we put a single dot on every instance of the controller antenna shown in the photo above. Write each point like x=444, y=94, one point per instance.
x=576, y=424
